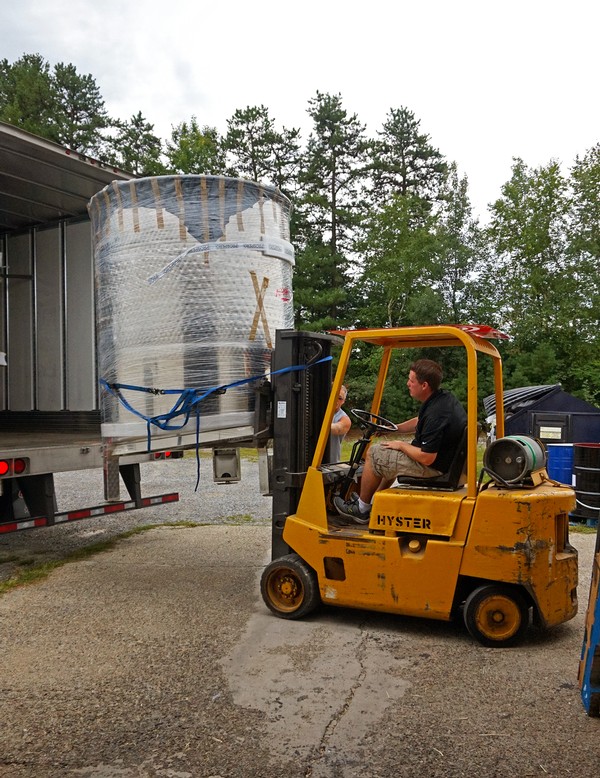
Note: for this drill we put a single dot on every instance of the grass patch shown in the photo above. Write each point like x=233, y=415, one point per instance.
x=582, y=529
x=242, y=518
x=247, y=454
x=42, y=571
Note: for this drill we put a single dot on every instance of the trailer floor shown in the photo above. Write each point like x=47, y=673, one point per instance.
x=43, y=439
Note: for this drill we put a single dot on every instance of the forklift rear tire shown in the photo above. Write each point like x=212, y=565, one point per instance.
x=497, y=616
x=289, y=587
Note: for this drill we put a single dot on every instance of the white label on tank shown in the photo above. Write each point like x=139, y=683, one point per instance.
x=281, y=409
x=280, y=249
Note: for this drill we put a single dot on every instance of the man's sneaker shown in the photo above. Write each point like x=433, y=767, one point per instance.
x=349, y=510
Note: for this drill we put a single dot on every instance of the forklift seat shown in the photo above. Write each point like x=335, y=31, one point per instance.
x=450, y=481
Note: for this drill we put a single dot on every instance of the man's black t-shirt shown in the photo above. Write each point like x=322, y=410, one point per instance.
x=440, y=425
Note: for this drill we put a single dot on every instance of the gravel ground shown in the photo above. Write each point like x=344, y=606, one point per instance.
x=211, y=503
x=159, y=660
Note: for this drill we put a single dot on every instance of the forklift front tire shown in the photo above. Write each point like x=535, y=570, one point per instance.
x=289, y=587
x=497, y=616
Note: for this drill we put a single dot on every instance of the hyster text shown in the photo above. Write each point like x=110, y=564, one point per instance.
x=403, y=521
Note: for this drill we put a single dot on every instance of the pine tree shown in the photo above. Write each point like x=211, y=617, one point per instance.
x=81, y=115
x=259, y=151
x=137, y=149
x=28, y=97
x=404, y=161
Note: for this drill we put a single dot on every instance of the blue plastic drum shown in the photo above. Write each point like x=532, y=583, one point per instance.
x=560, y=462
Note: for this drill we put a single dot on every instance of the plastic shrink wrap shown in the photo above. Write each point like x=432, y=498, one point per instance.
x=193, y=277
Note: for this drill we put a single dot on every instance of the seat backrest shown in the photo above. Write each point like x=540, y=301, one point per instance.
x=453, y=479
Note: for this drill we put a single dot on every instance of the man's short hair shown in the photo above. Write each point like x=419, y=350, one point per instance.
x=428, y=371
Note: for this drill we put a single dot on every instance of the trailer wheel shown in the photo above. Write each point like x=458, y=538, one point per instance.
x=289, y=587
x=496, y=616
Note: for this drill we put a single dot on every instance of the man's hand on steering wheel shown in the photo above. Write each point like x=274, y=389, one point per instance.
x=372, y=422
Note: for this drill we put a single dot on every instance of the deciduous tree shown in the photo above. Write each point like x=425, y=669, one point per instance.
x=196, y=150
x=584, y=251
x=400, y=267
x=536, y=279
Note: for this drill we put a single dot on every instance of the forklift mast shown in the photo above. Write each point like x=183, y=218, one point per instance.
x=299, y=402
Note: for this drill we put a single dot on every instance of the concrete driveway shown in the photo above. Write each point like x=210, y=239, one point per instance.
x=159, y=659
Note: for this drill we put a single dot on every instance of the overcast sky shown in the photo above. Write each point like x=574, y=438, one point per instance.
x=489, y=80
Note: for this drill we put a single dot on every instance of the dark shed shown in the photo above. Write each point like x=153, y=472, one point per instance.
x=549, y=414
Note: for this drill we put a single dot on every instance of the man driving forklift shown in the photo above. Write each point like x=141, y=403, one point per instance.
x=438, y=428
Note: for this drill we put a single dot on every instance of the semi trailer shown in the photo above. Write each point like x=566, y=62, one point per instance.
x=118, y=294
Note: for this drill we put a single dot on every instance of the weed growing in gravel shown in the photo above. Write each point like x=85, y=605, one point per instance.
x=242, y=518
x=39, y=572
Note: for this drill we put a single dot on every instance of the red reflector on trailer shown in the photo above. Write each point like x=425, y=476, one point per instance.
x=73, y=515
x=115, y=508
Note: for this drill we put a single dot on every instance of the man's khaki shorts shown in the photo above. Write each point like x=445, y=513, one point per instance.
x=389, y=463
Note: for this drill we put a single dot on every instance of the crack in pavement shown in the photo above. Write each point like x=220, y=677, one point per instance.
x=341, y=712
x=329, y=679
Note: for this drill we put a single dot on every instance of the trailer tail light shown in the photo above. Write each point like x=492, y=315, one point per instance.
x=168, y=454
x=19, y=466
x=11, y=467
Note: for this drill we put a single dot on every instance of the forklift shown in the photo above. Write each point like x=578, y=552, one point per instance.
x=491, y=548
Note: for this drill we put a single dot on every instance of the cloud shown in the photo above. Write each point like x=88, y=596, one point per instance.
x=489, y=81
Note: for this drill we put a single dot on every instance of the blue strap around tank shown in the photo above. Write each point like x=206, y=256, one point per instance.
x=188, y=402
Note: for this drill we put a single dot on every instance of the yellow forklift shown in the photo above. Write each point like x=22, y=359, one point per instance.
x=490, y=546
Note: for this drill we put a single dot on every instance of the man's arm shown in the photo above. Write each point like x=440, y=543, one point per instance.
x=408, y=427
x=414, y=452
x=342, y=426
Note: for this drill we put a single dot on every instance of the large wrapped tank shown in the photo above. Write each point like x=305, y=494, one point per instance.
x=193, y=277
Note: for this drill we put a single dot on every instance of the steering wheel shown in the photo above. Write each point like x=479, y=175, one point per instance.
x=373, y=421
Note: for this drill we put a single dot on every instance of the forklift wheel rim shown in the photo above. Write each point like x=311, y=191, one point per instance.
x=285, y=589
x=496, y=615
